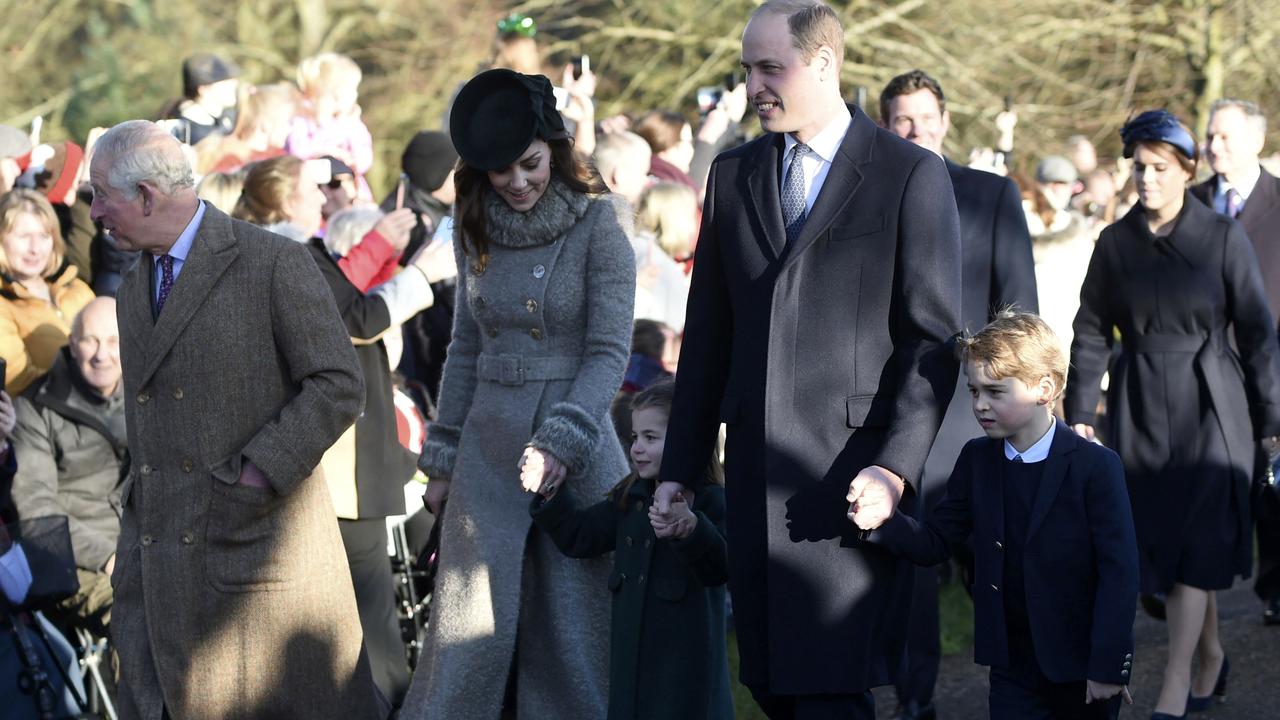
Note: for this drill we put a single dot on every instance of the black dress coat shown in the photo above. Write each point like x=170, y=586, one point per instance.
x=382, y=464
x=1080, y=561
x=667, y=657
x=997, y=270
x=1183, y=407
x=822, y=357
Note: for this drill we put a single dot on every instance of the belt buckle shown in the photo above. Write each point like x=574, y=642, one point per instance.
x=512, y=372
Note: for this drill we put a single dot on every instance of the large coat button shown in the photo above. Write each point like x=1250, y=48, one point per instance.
x=188, y=538
x=188, y=466
x=480, y=301
x=493, y=332
x=535, y=333
x=177, y=394
x=539, y=271
x=147, y=540
x=146, y=469
x=531, y=305
x=143, y=397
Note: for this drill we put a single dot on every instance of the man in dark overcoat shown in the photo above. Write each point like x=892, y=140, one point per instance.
x=232, y=594
x=997, y=271
x=1241, y=188
x=826, y=285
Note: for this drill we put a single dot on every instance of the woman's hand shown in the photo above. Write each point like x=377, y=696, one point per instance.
x=1084, y=431
x=437, y=492
x=436, y=261
x=541, y=472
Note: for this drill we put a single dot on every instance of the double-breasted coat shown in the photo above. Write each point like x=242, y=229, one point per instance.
x=231, y=600
x=822, y=357
x=1184, y=407
x=542, y=332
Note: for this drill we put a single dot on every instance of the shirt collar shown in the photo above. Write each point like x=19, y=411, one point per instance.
x=182, y=246
x=1037, y=452
x=826, y=143
x=1244, y=187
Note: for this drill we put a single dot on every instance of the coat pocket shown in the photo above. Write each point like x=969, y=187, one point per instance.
x=244, y=548
x=867, y=226
x=862, y=411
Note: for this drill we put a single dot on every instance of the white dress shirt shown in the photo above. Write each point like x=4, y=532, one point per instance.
x=181, y=248
x=823, y=148
x=1037, y=452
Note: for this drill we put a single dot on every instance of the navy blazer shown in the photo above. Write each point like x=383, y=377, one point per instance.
x=1081, y=572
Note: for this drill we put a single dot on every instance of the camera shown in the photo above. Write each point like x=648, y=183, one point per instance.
x=709, y=95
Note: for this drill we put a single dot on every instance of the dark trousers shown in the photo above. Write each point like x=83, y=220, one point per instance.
x=1026, y=694
x=858, y=706
x=919, y=673
x=365, y=541
x=1266, y=508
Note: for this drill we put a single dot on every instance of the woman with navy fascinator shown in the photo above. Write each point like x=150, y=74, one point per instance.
x=1193, y=392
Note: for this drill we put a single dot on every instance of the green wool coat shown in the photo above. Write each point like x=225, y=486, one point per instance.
x=668, y=656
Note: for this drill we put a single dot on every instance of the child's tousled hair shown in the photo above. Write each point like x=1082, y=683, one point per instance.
x=659, y=396
x=1019, y=345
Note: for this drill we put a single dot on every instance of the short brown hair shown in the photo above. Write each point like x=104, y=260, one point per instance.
x=812, y=23
x=267, y=188
x=19, y=201
x=1019, y=345
x=661, y=129
x=909, y=83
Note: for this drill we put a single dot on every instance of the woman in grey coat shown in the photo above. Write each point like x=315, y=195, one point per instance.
x=542, y=330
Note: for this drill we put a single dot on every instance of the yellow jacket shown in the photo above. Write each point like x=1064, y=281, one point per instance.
x=33, y=330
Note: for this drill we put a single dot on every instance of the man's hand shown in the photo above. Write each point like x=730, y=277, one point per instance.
x=252, y=476
x=396, y=226
x=677, y=524
x=1095, y=691
x=873, y=497
x=541, y=472
x=668, y=492
x=1084, y=431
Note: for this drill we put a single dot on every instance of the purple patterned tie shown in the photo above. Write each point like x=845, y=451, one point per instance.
x=166, y=281
x=1235, y=203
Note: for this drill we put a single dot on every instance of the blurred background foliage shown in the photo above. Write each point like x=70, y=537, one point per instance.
x=1066, y=66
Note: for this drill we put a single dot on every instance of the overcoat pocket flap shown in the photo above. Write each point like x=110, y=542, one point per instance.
x=864, y=411
x=866, y=226
x=729, y=409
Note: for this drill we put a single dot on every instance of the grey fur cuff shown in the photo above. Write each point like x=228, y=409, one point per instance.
x=570, y=434
x=439, y=452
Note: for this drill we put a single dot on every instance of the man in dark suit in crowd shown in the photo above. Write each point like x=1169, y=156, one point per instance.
x=825, y=288
x=997, y=271
x=1243, y=190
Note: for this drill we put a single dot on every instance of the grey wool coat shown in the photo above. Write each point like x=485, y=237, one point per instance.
x=233, y=601
x=540, y=344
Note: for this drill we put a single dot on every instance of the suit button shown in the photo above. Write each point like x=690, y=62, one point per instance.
x=188, y=538
x=1124, y=673
x=628, y=541
x=188, y=466
x=143, y=397
x=539, y=271
x=993, y=587
x=999, y=545
x=1127, y=664
x=177, y=394
x=531, y=305
x=147, y=540
x=146, y=470
x=1128, y=656
x=535, y=333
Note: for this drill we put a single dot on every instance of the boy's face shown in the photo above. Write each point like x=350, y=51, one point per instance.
x=1008, y=408
x=648, y=436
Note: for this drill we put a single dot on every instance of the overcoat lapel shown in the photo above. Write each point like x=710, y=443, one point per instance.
x=842, y=182
x=211, y=254
x=1055, y=471
x=136, y=306
x=765, y=198
x=1261, y=200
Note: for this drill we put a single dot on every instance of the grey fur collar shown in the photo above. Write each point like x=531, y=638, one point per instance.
x=551, y=217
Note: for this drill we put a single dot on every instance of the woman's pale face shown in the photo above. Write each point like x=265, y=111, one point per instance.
x=524, y=182
x=1159, y=177
x=27, y=246
x=305, y=206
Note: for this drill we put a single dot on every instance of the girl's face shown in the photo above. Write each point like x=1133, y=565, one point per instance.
x=27, y=246
x=523, y=183
x=1159, y=176
x=648, y=435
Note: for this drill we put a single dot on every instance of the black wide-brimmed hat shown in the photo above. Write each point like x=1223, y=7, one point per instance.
x=498, y=113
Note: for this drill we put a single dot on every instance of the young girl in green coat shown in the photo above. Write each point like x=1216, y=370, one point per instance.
x=667, y=657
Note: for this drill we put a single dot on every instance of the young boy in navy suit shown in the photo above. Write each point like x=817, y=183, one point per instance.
x=1056, y=557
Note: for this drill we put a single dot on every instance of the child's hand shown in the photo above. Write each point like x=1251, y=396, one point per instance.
x=678, y=523
x=1096, y=691
x=873, y=497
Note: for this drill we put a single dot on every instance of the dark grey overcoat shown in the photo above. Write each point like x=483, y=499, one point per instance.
x=233, y=601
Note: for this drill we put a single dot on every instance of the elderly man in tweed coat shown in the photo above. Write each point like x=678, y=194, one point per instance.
x=232, y=596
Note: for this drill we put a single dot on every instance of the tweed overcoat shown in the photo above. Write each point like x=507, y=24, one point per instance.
x=1184, y=403
x=541, y=338
x=822, y=356
x=230, y=600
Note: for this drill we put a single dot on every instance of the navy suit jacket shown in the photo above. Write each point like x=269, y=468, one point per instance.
x=1081, y=557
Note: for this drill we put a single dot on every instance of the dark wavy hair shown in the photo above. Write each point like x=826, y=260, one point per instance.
x=472, y=185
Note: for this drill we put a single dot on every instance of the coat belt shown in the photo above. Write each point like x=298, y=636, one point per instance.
x=517, y=369
x=1166, y=342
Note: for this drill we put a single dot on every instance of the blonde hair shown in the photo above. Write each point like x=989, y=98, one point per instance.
x=324, y=72
x=670, y=212
x=615, y=150
x=267, y=187
x=222, y=190
x=19, y=201
x=1019, y=345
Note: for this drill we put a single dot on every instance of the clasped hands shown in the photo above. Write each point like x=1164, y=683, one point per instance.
x=873, y=496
